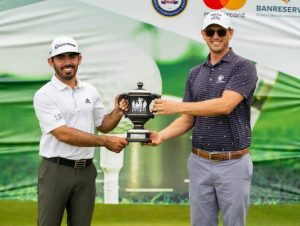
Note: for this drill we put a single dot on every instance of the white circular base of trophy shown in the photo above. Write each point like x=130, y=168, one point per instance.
x=138, y=135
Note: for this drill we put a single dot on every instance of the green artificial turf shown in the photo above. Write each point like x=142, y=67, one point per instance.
x=18, y=213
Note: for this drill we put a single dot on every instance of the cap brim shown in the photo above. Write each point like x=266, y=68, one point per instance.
x=216, y=23
x=53, y=55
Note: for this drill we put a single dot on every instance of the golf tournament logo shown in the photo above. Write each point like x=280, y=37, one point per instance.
x=169, y=8
x=228, y=4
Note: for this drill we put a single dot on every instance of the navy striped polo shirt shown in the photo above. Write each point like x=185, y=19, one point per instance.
x=206, y=81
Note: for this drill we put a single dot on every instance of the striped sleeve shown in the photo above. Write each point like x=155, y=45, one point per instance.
x=244, y=78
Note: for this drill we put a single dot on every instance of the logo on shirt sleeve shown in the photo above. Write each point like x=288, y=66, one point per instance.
x=58, y=116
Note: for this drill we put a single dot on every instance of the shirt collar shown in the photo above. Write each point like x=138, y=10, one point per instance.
x=227, y=58
x=60, y=85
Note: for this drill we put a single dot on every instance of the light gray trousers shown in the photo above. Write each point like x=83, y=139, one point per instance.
x=216, y=186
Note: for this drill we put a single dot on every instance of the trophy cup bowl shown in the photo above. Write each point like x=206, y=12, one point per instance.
x=139, y=101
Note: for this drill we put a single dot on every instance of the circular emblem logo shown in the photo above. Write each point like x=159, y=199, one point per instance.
x=228, y=4
x=169, y=7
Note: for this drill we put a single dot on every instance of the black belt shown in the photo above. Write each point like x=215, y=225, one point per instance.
x=82, y=163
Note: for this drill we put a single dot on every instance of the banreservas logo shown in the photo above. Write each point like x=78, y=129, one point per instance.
x=283, y=8
x=228, y=4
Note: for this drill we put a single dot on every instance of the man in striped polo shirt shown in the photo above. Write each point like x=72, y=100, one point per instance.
x=216, y=105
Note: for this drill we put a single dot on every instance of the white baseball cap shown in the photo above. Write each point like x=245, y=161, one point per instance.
x=217, y=17
x=63, y=45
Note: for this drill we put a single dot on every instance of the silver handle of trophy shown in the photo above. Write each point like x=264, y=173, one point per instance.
x=155, y=96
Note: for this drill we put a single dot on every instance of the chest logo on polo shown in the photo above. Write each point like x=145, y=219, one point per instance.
x=87, y=101
x=220, y=79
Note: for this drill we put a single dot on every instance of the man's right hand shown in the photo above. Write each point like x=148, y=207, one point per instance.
x=156, y=139
x=115, y=144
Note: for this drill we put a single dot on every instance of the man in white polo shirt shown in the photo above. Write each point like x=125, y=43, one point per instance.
x=68, y=111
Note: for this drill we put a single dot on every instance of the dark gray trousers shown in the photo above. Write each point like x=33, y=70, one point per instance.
x=63, y=187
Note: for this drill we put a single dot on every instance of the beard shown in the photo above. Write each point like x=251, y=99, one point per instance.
x=66, y=75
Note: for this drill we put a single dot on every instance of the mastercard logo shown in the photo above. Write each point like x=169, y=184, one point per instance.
x=228, y=4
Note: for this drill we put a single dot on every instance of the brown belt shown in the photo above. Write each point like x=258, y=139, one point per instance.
x=220, y=156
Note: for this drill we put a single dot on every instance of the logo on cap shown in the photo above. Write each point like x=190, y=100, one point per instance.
x=64, y=44
x=228, y=4
x=215, y=16
x=219, y=18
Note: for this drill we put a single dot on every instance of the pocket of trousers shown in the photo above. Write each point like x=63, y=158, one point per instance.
x=249, y=167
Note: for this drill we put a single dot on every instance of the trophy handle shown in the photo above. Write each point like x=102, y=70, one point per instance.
x=123, y=96
x=153, y=97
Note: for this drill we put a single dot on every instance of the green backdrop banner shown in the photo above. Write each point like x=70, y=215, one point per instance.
x=117, y=53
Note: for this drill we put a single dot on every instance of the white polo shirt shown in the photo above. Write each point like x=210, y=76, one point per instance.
x=57, y=104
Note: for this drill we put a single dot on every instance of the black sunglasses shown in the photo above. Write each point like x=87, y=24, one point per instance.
x=211, y=33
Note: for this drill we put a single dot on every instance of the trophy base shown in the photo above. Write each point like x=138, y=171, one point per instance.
x=138, y=135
